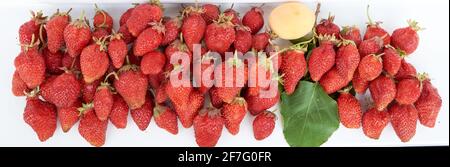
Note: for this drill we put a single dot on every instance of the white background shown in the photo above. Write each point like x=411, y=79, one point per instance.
x=432, y=56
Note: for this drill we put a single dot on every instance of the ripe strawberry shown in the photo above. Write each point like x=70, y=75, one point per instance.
x=370, y=46
x=55, y=30
x=237, y=78
x=406, y=70
x=143, y=14
x=327, y=27
x=117, y=50
x=148, y=40
x=210, y=13
x=88, y=90
x=370, y=67
x=220, y=35
x=243, y=41
x=373, y=122
x=216, y=101
x=103, y=101
x=178, y=94
x=94, y=61
x=409, y=90
x=293, y=67
x=69, y=62
x=160, y=93
x=233, y=114
x=33, y=27
x=132, y=86
x=91, y=128
x=347, y=59
x=392, y=60
x=383, y=91
x=332, y=81
x=428, y=104
x=263, y=67
x=375, y=30
x=178, y=48
x=143, y=115
x=253, y=19
x=321, y=60
x=63, y=91
x=351, y=33
x=172, y=30
x=99, y=33
x=187, y=110
x=153, y=63
x=77, y=36
x=234, y=15
x=127, y=37
x=194, y=26
x=30, y=65
x=41, y=116
x=208, y=125
x=201, y=78
x=68, y=116
x=261, y=40
x=263, y=125
x=359, y=84
x=125, y=16
x=18, y=86
x=349, y=110
x=403, y=120
x=119, y=112
x=102, y=19
x=53, y=61
x=257, y=104
x=166, y=119
x=406, y=39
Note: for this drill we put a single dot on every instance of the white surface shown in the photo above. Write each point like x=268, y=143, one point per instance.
x=432, y=56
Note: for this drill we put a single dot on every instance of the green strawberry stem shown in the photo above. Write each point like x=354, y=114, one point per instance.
x=415, y=25
x=85, y=107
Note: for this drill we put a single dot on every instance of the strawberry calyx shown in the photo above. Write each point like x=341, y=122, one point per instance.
x=59, y=13
x=224, y=20
x=370, y=23
x=158, y=26
x=38, y=17
x=85, y=108
x=414, y=25
x=327, y=21
x=115, y=36
x=269, y=114
x=102, y=12
x=243, y=28
x=158, y=110
x=422, y=77
x=33, y=93
x=346, y=90
x=128, y=67
x=101, y=42
x=156, y=2
x=192, y=10
x=81, y=22
x=33, y=43
x=239, y=101
x=347, y=29
x=400, y=52
x=328, y=39
x=345, y=42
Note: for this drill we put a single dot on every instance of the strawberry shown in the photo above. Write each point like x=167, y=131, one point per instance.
x=373, y=122
x=220, y=35
x=187, y=110
x=178, y=94
x=261, y=40
x=263, y=125
x=132, y=86
x=237, y=78
x=91, y=128
x=69, y=62
x=293, y=67
x=210, y=13
x=117, y=50
x=406, y=39
x=216, y=101
x=178, y=48
x=257, y=104
x=370, y=46
x=409, y=90
x=166, y=119
x=428, y=104
x=143, y=115
x=148, y=40
x=244, y=40
x=102, y=19
x=233, y=114
x=94, y=61
x=347, y=59
x=55, y=30
x=392, y=60
x=172, y=28
x=253, y=19
x=143, y=14
x=322, y=58
x=201, y=78
x=406, y=70
x=119, y=112
x=263, y=67
x=234, y=15
x=127, y=37
x=383, y=91
x=77, y=36
x=99, y=33
x=327, y=27
x=18, y=86
x=403, y=120
x=370, y=67
x=62, y=91
x=351, y=33
x=375, y=30
x=359, y=84
x=194, y=26
x=53, y=61
x=41, y=116
x=88, y=90
x=332, y=81
x=153, y=63
x=30, y=65
x=208, y=125
x=160, y=93
x=68, y=116
x=33, y=27
x=125, y=16
x=349, y=109
x=103, y=100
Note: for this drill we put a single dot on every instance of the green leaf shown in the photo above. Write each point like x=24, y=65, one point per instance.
x=309, y=116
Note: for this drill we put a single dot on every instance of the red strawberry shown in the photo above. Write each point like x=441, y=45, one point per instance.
x=143, y=115
x=125, y=16
x=253, y=19
x=406, y=70
x=203, y=81
x=359, y=84
x=403, y=120
x=53, y=61
x=178, y=94
x=91, y=128
x=208, y=125
x=99, y=33
x=63, y=91
x=370, y=67
x=153, y=63
x=160, y=93
x=172, y=30
x=375, y=30
x=18, y=86
x=243, y=41
x=220, y=35
x=166, y=119
x=349, y=110
x=117, y=50
x=119, y=112
x=332, y=81
x=210, y=13
x=194, y=26
x=327, y=27
x=132, y=86
x=257, y=104
x=88, y=90
x=177, y=48
x=347, y=59
x=238, y=78
x=148, y=40
x=216, y=101
x=55, y=30
x=392, y=60
x=103, y=101
x=409, y=90
x=41, y=116
x=233, y=114
x=77, y=36
x=33, y=27
x=428, y=104
x=127, y=37
x=406, y=39
x=69, y=62
x=30, y=65
x=351, y=33
x=293, y=67
x=383, y=91
x=263, y=125
x=102, y=19
x=142, y=15
x=322, y=58
x=261, y=40
x=370, y=46
x=263, y=67
x=94, y=61
x=235, y=15
x=373, y=122
x=187, y=110
x=68, y=116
